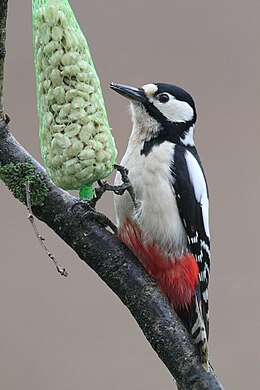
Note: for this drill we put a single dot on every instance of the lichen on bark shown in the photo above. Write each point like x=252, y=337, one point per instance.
x=16, y=175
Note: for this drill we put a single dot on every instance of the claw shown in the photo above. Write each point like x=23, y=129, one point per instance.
x=6, y=119
x=89, y=212
x=99, y=217
x=118, y=190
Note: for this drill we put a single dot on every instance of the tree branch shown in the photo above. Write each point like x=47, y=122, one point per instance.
x=3, y=16
x=103, y=252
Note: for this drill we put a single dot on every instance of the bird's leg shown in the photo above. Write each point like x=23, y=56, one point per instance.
x=118, y=190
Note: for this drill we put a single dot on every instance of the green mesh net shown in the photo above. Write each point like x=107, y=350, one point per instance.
x=76, y=142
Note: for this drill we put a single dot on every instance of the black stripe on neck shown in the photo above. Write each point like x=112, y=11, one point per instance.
x=174, y=133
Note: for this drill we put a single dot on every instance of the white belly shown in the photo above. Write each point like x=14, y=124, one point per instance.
x=157, y=215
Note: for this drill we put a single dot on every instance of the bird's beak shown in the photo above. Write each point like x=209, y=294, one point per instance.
x=131, y=93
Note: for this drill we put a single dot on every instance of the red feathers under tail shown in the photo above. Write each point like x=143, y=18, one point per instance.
x=177, y=277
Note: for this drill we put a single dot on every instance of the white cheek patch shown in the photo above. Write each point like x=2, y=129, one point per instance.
x=150, y=90
x=175, y=110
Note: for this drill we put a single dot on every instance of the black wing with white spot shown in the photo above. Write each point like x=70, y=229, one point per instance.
x=192, y=200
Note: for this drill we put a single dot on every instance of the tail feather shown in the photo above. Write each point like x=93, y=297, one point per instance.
x=199, y=332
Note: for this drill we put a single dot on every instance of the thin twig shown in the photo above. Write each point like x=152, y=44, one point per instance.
x=41, y=239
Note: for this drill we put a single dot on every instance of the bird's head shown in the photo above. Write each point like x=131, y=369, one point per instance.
x=160, y=109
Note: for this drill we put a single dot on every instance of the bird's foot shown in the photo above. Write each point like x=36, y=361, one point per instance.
x=119, y=189
x=88, y=212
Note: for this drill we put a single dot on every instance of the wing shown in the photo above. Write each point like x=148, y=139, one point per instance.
x=192, y=200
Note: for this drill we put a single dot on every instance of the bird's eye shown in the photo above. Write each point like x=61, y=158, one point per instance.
x=163, y=98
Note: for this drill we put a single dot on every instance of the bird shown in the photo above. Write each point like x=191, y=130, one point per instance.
x=167, y=227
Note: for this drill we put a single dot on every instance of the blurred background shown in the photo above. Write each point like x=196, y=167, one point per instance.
x=64, y=333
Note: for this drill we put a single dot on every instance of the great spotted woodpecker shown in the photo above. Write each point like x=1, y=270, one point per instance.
x=168, y=229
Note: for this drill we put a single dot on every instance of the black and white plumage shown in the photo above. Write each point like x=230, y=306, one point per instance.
x=169, y=230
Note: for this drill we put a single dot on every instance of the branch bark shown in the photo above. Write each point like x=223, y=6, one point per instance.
x=3, y=16
x=109, y=257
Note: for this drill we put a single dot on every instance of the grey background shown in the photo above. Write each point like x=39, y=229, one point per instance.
x=74, y=333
